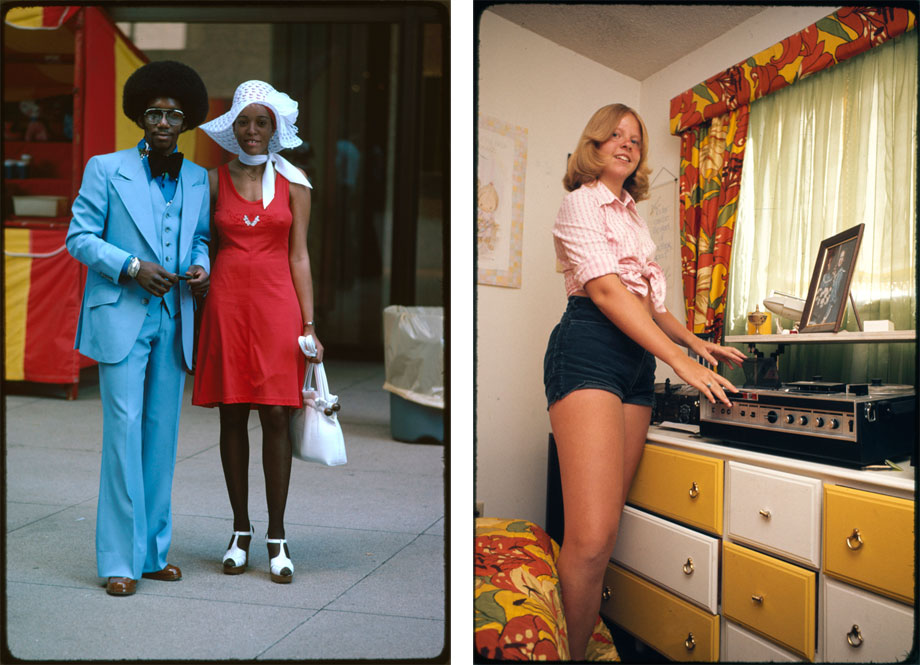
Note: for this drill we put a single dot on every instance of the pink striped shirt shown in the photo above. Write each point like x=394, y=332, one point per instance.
x=597, y=234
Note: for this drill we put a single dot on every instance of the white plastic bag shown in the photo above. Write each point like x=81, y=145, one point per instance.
x=413, y=347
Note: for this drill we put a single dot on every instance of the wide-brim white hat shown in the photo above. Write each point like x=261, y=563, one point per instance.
x=257, y=92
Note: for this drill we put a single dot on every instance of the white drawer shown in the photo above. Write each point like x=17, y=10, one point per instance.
x=673, y=556
x=860, y=626
x=742, y=646
x=775, y=511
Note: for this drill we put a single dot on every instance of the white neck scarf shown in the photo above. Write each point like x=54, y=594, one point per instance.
x=273, y=162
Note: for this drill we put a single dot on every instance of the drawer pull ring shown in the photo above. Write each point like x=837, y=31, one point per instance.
x=688, y=567
x=854, y=540
x=854, y=637
x=694, y=490
x=690, y=643
x=757, y=599
x=605, y=593
x=766, y=514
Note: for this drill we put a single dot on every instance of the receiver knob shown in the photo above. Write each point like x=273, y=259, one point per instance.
x=819, y=421
x=835, y=423
x=803, y=420
x=790, y=419
x=772, y=417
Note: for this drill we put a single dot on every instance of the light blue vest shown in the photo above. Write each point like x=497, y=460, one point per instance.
x=166, y=217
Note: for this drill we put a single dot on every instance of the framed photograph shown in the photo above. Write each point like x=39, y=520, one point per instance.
x=830, y=282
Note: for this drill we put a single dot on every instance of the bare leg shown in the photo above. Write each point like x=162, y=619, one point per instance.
x=276, y=463
x=637, y=419
x=589, y=429
x=234, y=456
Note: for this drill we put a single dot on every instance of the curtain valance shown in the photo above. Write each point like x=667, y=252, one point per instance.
x=845, y=33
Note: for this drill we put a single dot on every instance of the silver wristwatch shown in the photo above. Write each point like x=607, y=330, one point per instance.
x=133, y=267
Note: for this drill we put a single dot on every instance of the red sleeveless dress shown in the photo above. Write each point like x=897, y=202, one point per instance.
x=247, y=344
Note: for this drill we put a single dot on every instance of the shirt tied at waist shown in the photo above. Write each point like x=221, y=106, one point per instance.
x=631, y=274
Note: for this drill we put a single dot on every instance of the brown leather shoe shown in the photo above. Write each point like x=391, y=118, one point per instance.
x=120, y=586
x=170, y=573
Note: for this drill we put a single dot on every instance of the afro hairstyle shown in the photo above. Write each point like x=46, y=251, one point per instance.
x=166, y=78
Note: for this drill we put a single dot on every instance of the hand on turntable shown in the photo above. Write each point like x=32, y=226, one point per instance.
x=715, y=354
x=712, y=386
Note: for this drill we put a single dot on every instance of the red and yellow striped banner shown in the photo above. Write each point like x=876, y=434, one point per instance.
x=39, y=18
x=44, y=285
x=109, y=58
x=105, y=60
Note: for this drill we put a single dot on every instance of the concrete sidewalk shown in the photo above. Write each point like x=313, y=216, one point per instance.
x=367, y=541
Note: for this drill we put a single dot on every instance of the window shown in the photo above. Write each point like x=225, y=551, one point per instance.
x=832, y=151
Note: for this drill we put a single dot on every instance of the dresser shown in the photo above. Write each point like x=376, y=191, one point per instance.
x=731, y=555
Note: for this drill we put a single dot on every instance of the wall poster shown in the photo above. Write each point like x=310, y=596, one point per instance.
x=501, y=163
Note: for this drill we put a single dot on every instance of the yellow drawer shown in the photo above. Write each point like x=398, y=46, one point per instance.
x=683, y=486
x=869, y=541
x=770, y=597
x=671, y=626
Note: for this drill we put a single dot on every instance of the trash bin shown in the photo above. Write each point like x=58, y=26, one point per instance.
x=413, y=343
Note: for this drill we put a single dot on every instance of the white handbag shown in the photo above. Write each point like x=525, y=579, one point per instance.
x=316, y=435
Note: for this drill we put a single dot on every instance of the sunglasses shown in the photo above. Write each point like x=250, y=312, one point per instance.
x=154, y=116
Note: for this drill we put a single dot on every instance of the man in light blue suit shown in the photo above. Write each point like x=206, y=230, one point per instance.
x=141, y=224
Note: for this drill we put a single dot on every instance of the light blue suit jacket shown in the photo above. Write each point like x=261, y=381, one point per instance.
x=113, y=219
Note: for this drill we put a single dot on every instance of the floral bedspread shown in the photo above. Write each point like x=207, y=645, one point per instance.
x=517, y=607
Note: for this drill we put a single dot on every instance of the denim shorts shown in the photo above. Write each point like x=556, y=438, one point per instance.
x=586, y=350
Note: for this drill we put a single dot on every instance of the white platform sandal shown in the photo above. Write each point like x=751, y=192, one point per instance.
x=282, y=569
x=236, y=558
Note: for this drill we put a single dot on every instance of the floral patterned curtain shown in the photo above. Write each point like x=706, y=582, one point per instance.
x=711, y=119
x=710, y=179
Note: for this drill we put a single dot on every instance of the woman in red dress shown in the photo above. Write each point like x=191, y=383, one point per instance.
x=260, y=301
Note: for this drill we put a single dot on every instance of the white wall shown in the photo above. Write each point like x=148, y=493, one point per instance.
x=533, y=83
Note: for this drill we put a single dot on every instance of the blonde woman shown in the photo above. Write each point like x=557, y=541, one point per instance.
x=599, y=368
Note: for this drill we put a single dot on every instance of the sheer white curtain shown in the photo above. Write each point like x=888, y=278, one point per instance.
x=832, y=151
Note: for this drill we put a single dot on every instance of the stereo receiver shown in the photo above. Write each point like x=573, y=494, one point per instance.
x=850, y=424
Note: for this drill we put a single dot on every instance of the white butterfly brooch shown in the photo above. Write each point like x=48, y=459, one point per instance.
x=248, y=223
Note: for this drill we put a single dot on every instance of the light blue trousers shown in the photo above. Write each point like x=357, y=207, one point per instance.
x=141, y=400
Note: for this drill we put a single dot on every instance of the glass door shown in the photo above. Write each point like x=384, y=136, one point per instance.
x=372, y=120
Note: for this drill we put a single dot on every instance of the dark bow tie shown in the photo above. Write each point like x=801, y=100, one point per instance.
x=160, y=164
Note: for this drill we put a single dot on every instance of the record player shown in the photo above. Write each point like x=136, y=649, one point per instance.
x=851, y=424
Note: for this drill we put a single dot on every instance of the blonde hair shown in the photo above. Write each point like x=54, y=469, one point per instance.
x=586, y=164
